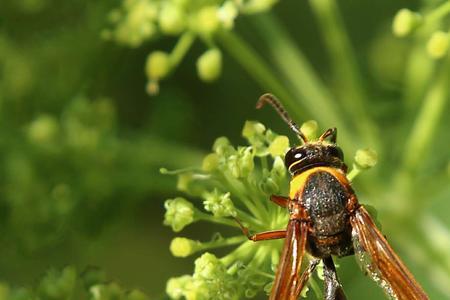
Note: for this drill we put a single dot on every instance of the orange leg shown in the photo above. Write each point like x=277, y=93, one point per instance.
x=280, y=201
x=262, y=236
x=267, y=235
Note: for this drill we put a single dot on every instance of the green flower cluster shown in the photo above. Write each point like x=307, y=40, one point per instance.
x=67, y=284
x=137, y=21
x=236, y=183
x=406, y=22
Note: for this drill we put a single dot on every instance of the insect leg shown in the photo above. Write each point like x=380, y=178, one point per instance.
x=262, y=236
x=333, y=288
x=305, y=276
x=332, y=133
x=280, y=200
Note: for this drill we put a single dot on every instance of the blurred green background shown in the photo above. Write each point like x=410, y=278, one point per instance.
x=82, y=142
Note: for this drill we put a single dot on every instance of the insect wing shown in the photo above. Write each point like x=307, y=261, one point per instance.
x=287, y=279
x=380, y=261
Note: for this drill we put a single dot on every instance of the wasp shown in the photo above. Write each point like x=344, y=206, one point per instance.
x=326, y=220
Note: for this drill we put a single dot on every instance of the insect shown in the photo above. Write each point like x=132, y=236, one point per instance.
x=325, y=219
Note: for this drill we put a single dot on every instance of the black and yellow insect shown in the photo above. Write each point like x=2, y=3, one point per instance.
x=326, y=219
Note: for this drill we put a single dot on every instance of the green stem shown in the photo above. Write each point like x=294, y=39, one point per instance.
x=426, y=122
x=345, y=68
x=255, y=66
x=303, y=81
x=438, y=13
x=181, y=48
x=217, y=220
x=224, y=242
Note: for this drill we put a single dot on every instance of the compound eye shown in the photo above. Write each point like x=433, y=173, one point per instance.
x=293, y=155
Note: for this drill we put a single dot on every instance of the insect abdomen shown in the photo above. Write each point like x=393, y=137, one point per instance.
x=324, y=198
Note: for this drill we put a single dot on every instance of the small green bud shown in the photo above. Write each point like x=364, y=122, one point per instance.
x=405, y=22
x=210, y=162
x=208, y=266
x=209, y=65
x=223, y=147
x=171, y=19
x=252, y=129
x=207, y=21
x=278, y=170
x=43, y=130
x=309, y=129
x=227, y=14
x=176, y=287
x=366, y=158
x=106, y=291
x=183, y=247
x=157, y=65
x=437, y=46
x=136, y=295
x=179, y=213
x=220, y=205
x=279, y=146
x=269, y=186
x=58, y=284
x=245, y=162
x=93, y=276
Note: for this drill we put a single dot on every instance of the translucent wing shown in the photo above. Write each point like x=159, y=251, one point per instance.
x=287, y=280
x=382, y=264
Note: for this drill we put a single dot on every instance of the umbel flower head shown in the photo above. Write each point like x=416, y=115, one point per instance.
x=138, y=21
x=235, y=183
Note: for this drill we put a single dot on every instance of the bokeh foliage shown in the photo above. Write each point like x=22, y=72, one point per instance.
x=82, y=141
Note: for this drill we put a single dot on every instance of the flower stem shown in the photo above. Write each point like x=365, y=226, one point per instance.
x=426, y=122
x=224, y=242
x=438, y=13
x=213, y=219
x=181, y=48
x=345, y=67
x=255, y=66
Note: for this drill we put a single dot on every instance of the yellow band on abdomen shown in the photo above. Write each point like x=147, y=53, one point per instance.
x=298, y=182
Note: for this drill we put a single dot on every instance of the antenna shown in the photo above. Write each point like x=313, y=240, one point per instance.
x=272, y=100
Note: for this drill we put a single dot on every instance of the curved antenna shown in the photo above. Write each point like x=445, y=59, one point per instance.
x=272, y=100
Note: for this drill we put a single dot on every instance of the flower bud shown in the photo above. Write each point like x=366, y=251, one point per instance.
x=279, y=146
x=269, y=186
x=405, y=21
x=252, y=129
x=245, y=162
x=183, y=247
x=366, y=158
x=157, y=65
x=309, y=129
x=136, y=295
x=437, y=46
x=227, y=14
x=209, y=65
x=179, y=213
x=220, y=205
x=210, y=162
x=207, y=21
x=223, y=147
x=208, y=266
x=43, y=130
x=278, y=171
x=171, y=19
x=176, y=287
